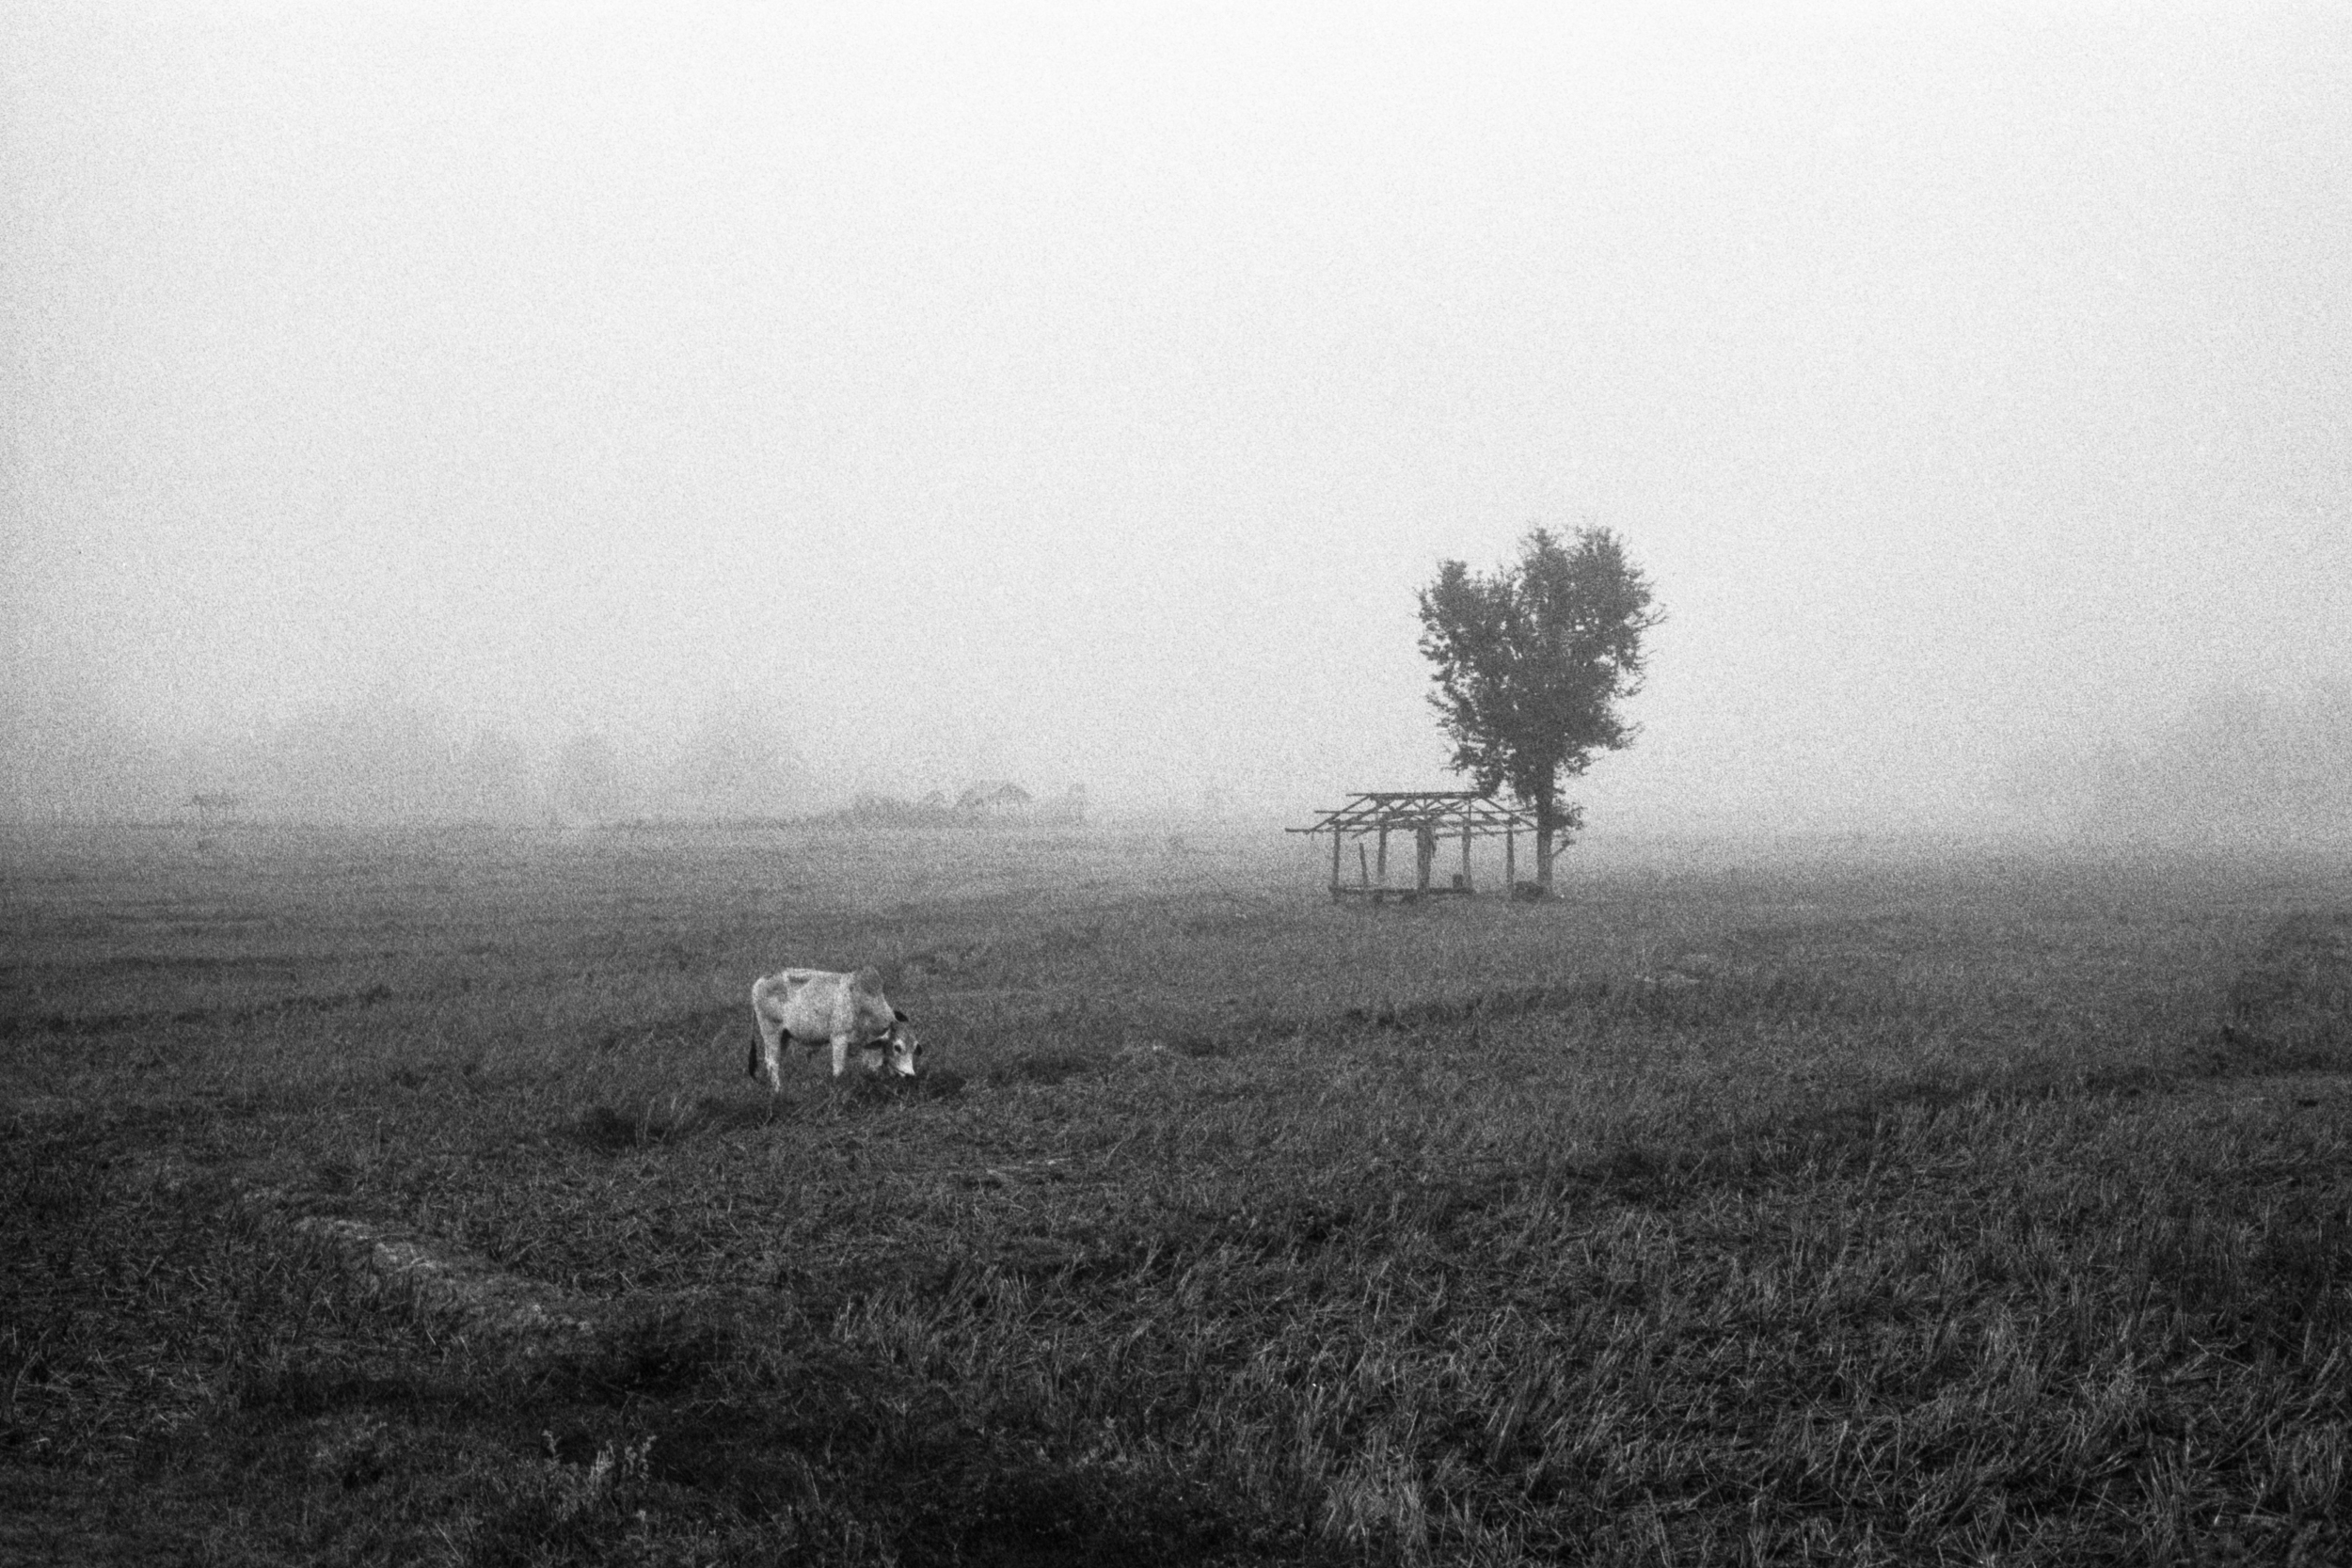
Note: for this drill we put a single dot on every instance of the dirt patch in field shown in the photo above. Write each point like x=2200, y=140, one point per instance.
x=400, y=1259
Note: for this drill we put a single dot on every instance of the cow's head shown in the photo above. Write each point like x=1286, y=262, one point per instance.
x=903, y=1048
x=899, y=1051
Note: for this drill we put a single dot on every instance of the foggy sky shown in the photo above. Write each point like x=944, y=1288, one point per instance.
x=1079, y=394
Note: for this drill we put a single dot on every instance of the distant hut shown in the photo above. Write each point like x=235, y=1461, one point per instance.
x=996, y=798
x=214, y=810
x=1432, y=817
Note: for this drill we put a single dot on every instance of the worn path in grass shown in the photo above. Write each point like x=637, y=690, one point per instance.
x=1898, y=1207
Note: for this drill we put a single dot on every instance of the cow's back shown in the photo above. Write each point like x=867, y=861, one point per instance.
x=821, y=1004
x=805, y=1001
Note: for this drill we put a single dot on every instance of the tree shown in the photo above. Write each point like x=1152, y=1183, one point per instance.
x=1531, y=663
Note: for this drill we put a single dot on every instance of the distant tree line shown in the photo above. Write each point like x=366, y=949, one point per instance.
x=2233, y=763
x=391, y=760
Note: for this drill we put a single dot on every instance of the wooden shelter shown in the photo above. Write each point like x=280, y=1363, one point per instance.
x=214, y=810
x=1429, y=815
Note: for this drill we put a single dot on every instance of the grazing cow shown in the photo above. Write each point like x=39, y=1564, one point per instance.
x=848, y=1011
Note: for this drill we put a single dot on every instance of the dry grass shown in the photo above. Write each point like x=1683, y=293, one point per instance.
x=1742, y=1208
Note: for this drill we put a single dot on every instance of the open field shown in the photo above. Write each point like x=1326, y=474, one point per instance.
x=1844, y=1204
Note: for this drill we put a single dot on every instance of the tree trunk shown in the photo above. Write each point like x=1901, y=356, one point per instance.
x=1547, y=824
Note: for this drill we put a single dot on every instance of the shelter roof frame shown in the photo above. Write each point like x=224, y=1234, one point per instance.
x=1446, y=811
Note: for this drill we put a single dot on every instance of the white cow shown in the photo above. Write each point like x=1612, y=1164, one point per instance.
x=849, y=1011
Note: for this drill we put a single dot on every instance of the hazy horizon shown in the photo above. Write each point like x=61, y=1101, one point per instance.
x=801, y=404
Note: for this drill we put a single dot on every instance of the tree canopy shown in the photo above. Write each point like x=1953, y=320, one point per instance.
x=1531, y=662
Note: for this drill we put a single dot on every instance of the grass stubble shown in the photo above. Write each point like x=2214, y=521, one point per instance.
x=1739, y=1209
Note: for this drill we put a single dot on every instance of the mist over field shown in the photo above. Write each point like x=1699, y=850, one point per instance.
x=409, y=412
x=651, y=658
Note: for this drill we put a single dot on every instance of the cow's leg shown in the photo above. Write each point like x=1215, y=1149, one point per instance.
x=769, y=1051
x=840, y=1054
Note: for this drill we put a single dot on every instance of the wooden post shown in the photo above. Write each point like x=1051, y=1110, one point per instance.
x=1364, y=867
x=1384, y=857
x=1510, y=862
x=1466, y=881
x=1335, y=866
x=1424, y=853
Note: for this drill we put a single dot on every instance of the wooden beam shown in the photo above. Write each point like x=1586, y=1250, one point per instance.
x=1442, y=812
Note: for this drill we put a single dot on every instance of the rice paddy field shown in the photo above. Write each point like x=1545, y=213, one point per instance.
x=402, y=1198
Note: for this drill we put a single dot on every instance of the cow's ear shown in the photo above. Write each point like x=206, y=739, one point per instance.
x=867, y=980
x=900, y=1014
